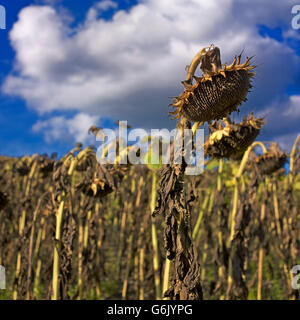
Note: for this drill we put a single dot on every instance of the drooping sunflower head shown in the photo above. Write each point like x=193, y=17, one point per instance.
x=23, y=166
x=46, y=165
x=229, y=140
x=271, y=161
x=101, y=180
x=219, y=91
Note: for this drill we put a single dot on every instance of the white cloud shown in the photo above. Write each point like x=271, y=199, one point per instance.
x=98, y=8
x=63, y=129
x=126, y=68
x=283, y=118
x=293, y=109
x=286, y=141
x=106, y=4
x=291, y=34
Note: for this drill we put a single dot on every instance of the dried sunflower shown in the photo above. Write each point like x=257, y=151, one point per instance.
x=271, y=161
x=232, y=140
x=88, y=161
x=23, y=166
x=102, y=180
x=46, y=165
x=219, y=91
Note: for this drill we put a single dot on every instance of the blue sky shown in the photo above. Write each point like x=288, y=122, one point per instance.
x=16, y=118
x=68, y=64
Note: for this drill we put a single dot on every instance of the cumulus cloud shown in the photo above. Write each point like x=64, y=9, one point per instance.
x=127, y=67
x=67, y=130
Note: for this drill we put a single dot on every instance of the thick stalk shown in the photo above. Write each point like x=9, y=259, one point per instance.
x=30, y=249
x=80, y=257
x=261, y=254
x=155, y=242
x=86, y=229
x=209, y=210
x=276, y=209
x=40, y=237
x=136, y=274
x=236, y=183
x=121, y=239
x=141, y=273
x=219, y=178
x=200, y=216
x=166, y=277
x=204, y=257
x=141, y=245
x=193, y=66
x=205, y=248
x=59, y=217
x=292, y=158
x=22, y=222
x=235, y=207
x=99, y=246
x=128, y=267
x=56, y=269
x=221, y=268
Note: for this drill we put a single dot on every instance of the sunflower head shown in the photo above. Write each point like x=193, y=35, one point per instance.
x=23, y=166
x=46, y=165
x=219, y=91
x=272, y=161
x=229, y=140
